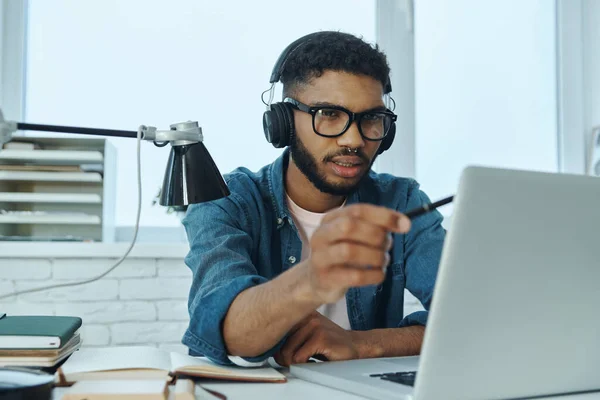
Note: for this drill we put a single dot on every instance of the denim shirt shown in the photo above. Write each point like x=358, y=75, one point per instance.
x=249, y=237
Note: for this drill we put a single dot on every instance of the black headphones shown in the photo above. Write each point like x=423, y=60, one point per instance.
x=278, y=120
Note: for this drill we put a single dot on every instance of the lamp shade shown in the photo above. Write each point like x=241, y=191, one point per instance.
x=191, y=177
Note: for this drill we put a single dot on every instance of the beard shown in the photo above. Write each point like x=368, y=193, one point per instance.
x=307, y=164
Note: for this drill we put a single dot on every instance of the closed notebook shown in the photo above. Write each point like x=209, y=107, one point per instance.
x=151, y=363
x=38, y=357
x=37, y=332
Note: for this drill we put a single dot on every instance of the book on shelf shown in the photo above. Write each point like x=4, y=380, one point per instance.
x=99, y=168
x=28, y=167
x=38, y=238
x=21, y=145
x=144, y=362
x=39, y=357
x=37, y=331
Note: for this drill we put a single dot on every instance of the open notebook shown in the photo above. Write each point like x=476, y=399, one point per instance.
x=151, y=363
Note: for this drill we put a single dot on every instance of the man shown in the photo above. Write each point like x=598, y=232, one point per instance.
x=310, y=256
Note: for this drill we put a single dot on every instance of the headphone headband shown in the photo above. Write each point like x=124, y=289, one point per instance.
x=295, y=45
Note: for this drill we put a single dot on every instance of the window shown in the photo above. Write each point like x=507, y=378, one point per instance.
x=485, y=86
x=118, y=64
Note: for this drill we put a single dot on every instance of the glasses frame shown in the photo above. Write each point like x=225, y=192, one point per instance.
x=352, y=116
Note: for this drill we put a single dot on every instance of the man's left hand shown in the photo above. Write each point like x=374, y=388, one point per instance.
x=317, y=335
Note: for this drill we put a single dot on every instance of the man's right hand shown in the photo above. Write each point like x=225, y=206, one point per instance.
x=351, y=248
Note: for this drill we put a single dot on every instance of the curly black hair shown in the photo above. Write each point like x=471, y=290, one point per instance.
x=335, y=51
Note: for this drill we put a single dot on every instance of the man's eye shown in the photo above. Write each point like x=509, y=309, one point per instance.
x=329, y=113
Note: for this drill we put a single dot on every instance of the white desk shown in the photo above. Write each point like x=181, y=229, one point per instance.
x=296, y=389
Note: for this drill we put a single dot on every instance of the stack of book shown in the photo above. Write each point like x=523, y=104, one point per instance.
x=37, y=341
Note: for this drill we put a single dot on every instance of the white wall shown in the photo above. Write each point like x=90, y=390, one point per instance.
x=12, y=59
x=591, y=65
x=485, y=88
x=119, y=64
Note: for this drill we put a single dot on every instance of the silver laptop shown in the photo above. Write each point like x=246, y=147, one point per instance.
x=515, y=305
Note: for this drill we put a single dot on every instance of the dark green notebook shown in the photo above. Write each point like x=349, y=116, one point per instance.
x=36, y=332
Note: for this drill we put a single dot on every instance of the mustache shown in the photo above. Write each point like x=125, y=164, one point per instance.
x=343, y=152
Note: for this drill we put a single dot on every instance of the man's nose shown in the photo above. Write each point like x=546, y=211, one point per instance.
x=352, y=137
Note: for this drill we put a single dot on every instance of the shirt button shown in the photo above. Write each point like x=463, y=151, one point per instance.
x=292, y=259
x=279, y=221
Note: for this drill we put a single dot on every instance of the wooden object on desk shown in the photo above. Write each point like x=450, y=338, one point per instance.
x=118, y=389
x=144, y=362
x=186, y=389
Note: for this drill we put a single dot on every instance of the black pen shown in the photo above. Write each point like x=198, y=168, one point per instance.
x=417, y=212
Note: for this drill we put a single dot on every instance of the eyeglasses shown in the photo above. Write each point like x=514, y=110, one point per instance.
x=334, y=121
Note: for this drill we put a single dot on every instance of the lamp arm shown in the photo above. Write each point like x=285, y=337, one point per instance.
x=179, y=134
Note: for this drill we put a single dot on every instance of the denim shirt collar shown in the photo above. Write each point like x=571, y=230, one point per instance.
x=277, y=187
x=276, y=181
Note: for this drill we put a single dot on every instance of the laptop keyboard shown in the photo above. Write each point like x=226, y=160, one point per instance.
x=405, y=378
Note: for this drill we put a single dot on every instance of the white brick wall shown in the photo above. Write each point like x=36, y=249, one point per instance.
x=95, y=335
x=155, y=288
x=169, y=310
x=107, y=312
x=173, y=268
x=28, y=269
x=7, y=287
x=104, y=289
x=147, y=332
x=23, y=308
x=133, y=268
x=143, y=301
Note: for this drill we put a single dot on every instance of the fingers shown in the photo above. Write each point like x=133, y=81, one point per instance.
x=314, y=345
x=346, y=228
x=350, y=254
x=294, y=342
x=350, y=248
x=354, y=277
x=383, y=217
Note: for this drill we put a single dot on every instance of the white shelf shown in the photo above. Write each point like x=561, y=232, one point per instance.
x=65, y=188
x=62, y=157
x=63, y=219
x=50, y=176
x=70, y=198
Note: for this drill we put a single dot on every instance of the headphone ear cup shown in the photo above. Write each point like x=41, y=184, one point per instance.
x=287, y=113
x=269, y=127
x=278, y=124
x=388, y=140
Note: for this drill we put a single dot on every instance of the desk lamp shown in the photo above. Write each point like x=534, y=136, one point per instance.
x=191, y=175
